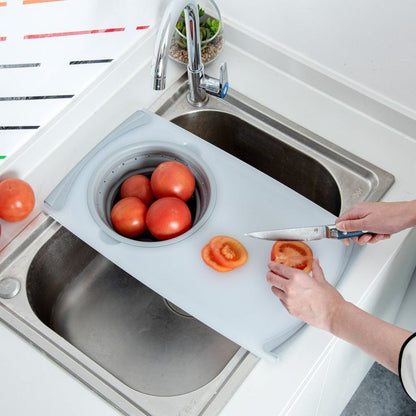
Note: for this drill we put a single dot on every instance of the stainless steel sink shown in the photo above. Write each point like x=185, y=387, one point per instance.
x=135, y=349
x=309, y=164
x=125, y=327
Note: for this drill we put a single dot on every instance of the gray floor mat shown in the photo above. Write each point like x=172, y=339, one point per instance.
x=380, y=394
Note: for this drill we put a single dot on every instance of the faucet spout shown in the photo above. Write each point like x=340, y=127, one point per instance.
x=199, y=85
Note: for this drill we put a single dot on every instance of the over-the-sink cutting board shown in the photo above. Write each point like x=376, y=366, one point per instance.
x=238, y=304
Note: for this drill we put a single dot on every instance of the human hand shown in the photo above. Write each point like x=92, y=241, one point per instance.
x=381, y=218
x=316, y=302
x=309, y=298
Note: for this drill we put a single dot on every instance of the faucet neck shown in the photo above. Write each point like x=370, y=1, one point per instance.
x=193, y=37
x=199, y=84
x=197, y=95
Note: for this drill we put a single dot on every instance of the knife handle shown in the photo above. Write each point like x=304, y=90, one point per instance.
x=341, y=235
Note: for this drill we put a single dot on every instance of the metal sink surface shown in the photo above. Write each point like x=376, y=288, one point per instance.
x=307, y=163
x=135, y=349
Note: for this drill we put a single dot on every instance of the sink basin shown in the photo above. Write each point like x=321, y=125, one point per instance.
x=125, y=327
x=139, y=351
x=309, y=164
x=276, y=158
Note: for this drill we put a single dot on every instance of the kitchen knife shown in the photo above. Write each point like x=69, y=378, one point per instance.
x=306, y=233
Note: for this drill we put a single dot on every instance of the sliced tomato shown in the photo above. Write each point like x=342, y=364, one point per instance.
x=210, y=261
x=227, y=251
x=296, y=254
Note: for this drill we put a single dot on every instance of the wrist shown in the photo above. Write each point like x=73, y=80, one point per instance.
x=338, y=315
x=412, y=213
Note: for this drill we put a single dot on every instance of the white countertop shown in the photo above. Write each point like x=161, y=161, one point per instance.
x=255, y=69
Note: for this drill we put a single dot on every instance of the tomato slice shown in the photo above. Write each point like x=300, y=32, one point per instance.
x=210, y=261
x=227, y=251
x=296, y=254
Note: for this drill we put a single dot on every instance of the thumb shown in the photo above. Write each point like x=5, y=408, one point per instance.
x=349, y=225
x=317, y=271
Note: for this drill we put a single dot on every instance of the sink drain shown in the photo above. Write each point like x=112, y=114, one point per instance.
x=9, y=287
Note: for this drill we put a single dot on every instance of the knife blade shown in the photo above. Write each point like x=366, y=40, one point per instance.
x=306, y=233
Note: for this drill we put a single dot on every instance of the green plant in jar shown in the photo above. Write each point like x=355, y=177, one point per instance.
x=207, y=24
x=211, y=35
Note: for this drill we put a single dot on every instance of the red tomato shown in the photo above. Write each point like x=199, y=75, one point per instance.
x=128, y=216
x=227, y=251
x=168, y=217
x=296, y=254
x=172, y=178
x=17, y=199
x=137, y=185
x=210, y=261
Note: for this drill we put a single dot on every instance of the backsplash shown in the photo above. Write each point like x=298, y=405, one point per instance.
x=51, y=50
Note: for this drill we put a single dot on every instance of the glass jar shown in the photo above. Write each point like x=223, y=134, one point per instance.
x=211, y=34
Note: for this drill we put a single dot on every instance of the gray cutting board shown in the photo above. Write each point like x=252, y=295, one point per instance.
x=238, y=304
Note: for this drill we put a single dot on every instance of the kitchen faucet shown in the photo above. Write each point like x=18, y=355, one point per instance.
x=199, y=83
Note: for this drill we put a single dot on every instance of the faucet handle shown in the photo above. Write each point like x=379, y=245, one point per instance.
x=217, y=87
x=223, y=79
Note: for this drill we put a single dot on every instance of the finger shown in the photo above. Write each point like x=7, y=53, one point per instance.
x=317, y=271
x=379, y=237
x=368, y=238
x=364, y=239
x=281, y=269
x=350, y=225
x=279, y=293
x=276, y=281
x=354, y=213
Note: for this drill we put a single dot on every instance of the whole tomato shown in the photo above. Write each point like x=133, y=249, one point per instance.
x=128, y=217
x=168, y=217
x=17, y=199
x=172, y=178
x=137, y=185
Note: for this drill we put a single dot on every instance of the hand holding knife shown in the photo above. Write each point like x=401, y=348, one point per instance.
x=307, y=233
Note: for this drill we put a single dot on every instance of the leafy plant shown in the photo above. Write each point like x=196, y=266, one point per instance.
x=208, y=27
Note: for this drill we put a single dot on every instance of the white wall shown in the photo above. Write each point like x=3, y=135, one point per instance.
x=371, y=43
x=51, y=50
x=366, y=44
